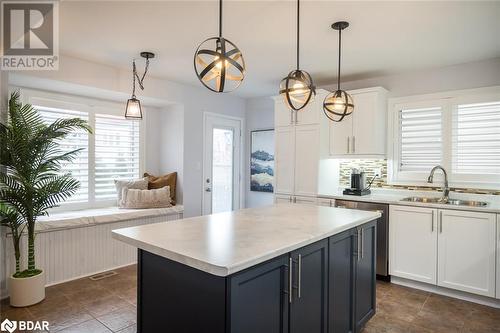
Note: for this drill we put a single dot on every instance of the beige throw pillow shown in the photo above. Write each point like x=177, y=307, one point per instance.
x=140, y=184
x=156, y=198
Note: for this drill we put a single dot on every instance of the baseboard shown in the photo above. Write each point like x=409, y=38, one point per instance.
x=488, y=301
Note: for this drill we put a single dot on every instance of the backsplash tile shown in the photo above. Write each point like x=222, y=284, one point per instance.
x=370, y=165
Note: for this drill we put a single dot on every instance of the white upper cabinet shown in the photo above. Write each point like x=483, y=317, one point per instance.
x=306, y=160
x=282, y=115
x=466, y=248
x=363, y=133
x=413, y=243
x=284, y=160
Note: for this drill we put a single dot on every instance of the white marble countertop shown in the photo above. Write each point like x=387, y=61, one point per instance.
x=393, y=196
x=225, y=243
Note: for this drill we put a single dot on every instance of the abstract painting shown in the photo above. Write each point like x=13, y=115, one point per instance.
x=262, y=161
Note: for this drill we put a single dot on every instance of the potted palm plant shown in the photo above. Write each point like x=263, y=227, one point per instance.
x=32, y=182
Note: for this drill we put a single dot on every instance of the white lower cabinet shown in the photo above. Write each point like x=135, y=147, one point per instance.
x=413, y=243
x=449, y=248
x=466, y=251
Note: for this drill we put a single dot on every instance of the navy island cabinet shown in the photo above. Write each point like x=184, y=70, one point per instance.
x=327, y=286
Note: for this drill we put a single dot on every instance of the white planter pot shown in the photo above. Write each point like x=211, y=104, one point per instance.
x=27, y=291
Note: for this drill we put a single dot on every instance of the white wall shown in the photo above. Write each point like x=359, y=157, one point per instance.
x=86, y=78
x=457, y=77
x=259, y=115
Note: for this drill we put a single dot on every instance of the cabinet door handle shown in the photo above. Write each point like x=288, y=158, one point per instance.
x=290, y=199
x=440, y=222
x=291, y=117
x=290, y=273
x=362, y=243
x=359, y=244
x=432, y=223
x=296, y=117
x=348, y=144
x=300, y=275
x=353, y=144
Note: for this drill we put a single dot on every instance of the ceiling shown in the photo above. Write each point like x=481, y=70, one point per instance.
x=384, y=38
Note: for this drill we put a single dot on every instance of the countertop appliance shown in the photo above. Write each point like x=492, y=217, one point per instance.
x=382, y=232
x=358, y=183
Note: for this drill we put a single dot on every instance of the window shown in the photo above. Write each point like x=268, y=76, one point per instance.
x=420, y=138
x=458, y=130
x=116, y=153
x=112, y=151
x=476, y=139
x=79, y=167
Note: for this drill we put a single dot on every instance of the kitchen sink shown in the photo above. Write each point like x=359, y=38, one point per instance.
x=455, y=202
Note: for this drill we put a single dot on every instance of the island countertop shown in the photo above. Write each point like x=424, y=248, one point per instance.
x=225, y=243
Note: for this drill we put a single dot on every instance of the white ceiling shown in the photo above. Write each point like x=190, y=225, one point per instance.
x=384, y=37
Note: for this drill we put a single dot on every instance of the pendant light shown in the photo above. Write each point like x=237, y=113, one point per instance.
x=297, y=89
x=218, y=63
x=134, y=109
x=338, y=104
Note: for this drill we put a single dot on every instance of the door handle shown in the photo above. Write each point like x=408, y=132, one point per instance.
x=208, y=189
x=354, y=144
x=362, y=243
x=290, y=274
x=348, y=144
x=359, y=244
x=300, y=276
x=296, y=117
x=291, y=117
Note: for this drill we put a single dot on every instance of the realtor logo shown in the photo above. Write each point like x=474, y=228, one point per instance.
x=30, y=35
x=8, y=326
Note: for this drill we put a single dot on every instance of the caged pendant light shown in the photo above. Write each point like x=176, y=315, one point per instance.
x=297, y=89
x=338, y=104
x=218, y=63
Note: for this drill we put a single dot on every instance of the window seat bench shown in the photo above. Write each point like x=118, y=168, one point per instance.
x=89, y=217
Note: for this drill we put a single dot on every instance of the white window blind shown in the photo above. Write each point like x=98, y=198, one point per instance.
x=420, y=132
x=476, y=139
x=116, y=153
x=77, y=140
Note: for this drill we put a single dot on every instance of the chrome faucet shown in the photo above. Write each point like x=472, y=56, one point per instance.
x=446, y=189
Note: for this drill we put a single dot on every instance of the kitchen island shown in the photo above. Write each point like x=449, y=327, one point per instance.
x=282, y=268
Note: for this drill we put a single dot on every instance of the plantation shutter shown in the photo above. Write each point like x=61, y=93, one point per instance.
x=476, y=139
x=420, y=138
x=116, y=153
x=79, y=167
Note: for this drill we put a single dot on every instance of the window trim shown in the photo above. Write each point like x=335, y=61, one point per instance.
x=92, y=107
x=449, y=101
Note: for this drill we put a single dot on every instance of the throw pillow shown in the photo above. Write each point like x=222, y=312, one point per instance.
x=169, y=179
x=156, y=198
x=140, y=184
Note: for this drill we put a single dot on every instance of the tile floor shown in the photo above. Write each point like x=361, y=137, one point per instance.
x=109, y=305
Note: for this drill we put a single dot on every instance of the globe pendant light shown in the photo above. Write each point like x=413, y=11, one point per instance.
x=218, y=63
x=297, y=89
x=338, y=104
x=133, y=109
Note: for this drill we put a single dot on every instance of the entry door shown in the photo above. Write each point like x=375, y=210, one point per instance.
x=221, y=165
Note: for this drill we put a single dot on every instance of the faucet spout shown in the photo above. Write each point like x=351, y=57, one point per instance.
x=446, y=188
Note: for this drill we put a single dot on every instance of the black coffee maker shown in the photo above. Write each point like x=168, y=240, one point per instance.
x=358, y=183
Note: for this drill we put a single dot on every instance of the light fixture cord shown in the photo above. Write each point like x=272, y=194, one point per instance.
x=140, y=80
x=340, y=46
x=298, y=33
x=220, y=18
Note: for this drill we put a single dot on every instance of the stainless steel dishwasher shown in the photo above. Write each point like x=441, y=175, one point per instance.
x=382, y=232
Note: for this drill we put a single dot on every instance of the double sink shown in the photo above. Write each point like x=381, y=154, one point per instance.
x=443, y=201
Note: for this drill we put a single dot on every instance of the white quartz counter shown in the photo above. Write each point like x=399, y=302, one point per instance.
x=225, y=243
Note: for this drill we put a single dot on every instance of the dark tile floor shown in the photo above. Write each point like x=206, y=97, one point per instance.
x=109, y=305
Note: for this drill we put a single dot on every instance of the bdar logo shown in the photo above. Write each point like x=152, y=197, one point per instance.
x=8, y=326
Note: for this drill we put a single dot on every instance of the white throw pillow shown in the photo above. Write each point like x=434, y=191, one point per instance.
x=156, y=198
x=140, y=184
